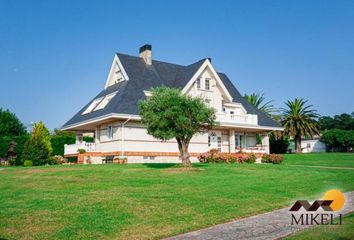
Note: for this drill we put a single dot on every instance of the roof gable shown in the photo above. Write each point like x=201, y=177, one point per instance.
x=117, y=72
x=207, y=65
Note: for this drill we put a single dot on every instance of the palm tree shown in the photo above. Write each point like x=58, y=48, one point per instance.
x=258, y=100
x=299, y=120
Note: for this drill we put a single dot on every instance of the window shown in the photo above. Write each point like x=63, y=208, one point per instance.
x=238, y=141
x=105, y=101
x=207, y=102
x=198, y=83
x=99, y=103
x=207, y=83
x=219, y=144
x=110, y=132
x=93, y=105
x=151, y=158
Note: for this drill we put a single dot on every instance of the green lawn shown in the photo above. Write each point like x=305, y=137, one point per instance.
x=321, y=159
x=330, y=232
x=153, y=201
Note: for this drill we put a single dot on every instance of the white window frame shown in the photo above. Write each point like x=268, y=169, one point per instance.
x=105, y=101
x=198, y=83
x=207, y=86
x=93, y=105
x=110, y=132
x=219, y=143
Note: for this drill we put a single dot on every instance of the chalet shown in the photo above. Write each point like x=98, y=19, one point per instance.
x=112, y=117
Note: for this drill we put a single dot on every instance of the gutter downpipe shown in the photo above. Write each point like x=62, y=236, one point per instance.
x=123, y=124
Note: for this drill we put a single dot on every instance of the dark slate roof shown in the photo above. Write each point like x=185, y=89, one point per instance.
x=144, y=77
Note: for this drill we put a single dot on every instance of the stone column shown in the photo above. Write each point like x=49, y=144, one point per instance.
x=231, y=141
x=97, y=134
x=265, y=142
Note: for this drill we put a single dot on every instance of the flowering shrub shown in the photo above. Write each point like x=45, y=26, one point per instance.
x=272, y=158
x=213, y=156
x=57, y=159
x=251, y=158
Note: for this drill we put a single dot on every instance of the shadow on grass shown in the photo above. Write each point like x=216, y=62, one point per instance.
x=172, y=165
x=161, y=165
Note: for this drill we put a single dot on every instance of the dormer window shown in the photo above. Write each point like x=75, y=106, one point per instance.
x=105, y=101
x=198, y=83
x=93, y=105
x=99, y=103
x=207, y=84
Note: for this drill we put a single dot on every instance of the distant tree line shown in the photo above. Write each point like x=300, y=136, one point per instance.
x=338, y=132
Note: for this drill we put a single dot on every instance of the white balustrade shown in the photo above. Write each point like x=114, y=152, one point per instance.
x=74, y=148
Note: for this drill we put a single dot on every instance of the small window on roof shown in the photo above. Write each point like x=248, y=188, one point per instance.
x=105, y=101
x=99, y=103
x=93, y=105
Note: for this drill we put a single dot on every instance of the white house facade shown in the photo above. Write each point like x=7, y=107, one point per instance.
x=112, y=117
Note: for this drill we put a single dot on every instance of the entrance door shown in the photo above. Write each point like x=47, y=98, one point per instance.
x=214, y=142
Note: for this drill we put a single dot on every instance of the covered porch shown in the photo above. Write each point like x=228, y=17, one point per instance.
x=80, y=145
x=233, y=140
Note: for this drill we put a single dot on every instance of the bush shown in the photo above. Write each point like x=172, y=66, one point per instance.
x=278, y=142
x=58, y=160
x=81, y=150
x=251, y=158
x=72, y=159
x=272, y=158
x=213, y=156
x=27, y=163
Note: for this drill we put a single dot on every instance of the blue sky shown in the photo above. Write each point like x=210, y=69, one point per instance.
x=55, y=55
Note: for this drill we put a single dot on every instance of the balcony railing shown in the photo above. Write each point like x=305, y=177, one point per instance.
x=74, y=148
x=262, y=149
x=233, y=118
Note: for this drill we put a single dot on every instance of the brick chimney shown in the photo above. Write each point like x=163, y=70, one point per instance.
x=145, y=52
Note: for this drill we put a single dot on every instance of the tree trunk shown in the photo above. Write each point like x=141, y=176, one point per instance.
x=298, y=144
x=183, y=151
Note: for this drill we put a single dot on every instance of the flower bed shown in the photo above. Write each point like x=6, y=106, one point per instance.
x=214, y=156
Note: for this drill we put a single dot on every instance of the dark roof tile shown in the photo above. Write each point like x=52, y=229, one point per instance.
x=144, y=77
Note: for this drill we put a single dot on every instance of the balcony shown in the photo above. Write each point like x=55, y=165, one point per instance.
x=73, y=148
x=249, y=119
